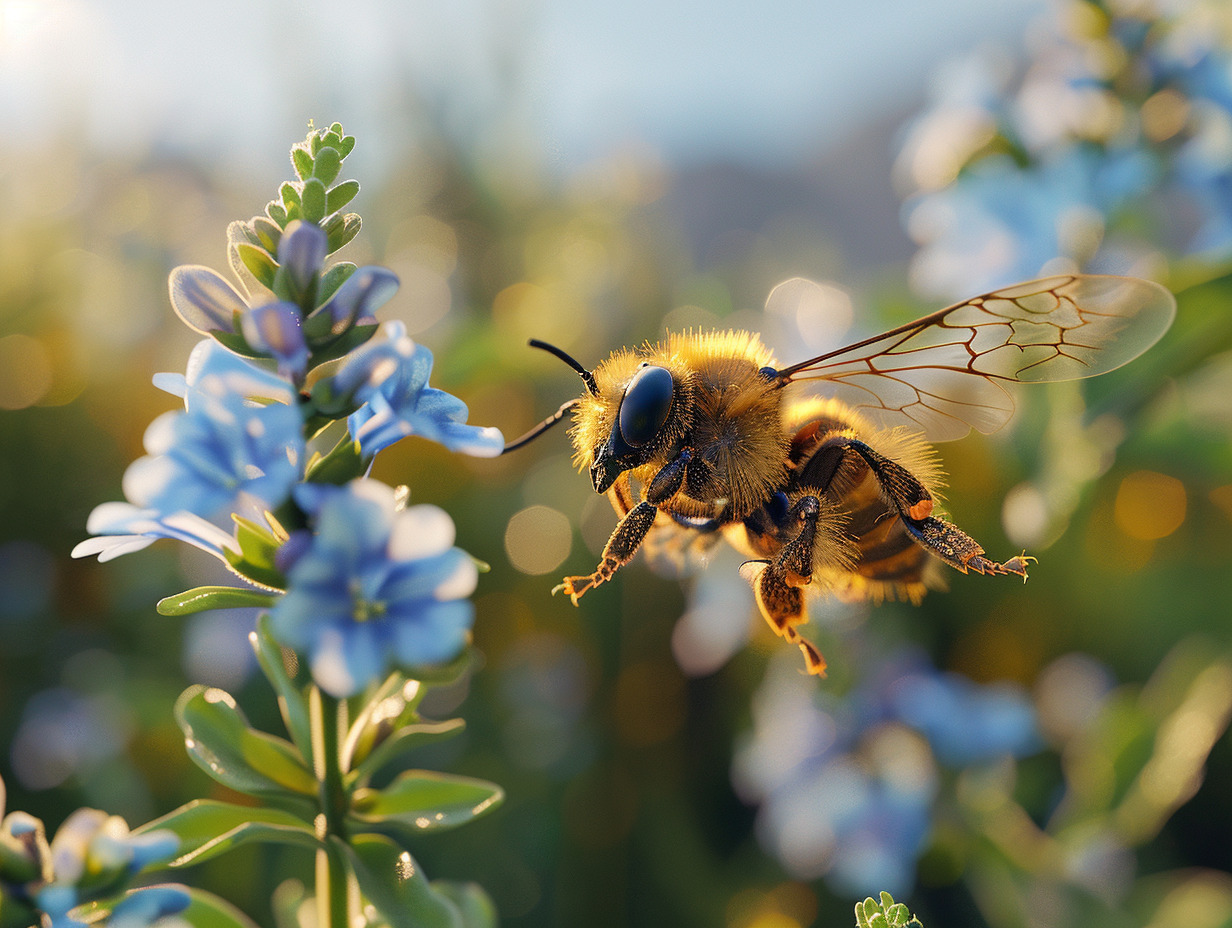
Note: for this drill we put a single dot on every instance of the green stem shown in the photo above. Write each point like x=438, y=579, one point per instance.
x=335, y=894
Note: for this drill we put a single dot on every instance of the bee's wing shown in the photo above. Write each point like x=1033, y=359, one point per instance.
x=946, y=372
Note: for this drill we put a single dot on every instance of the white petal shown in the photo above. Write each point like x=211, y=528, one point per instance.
x=459, y=584
x=329, y=666
x=421, y=531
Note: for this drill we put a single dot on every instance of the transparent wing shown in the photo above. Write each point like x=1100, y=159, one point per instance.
x=946, y=373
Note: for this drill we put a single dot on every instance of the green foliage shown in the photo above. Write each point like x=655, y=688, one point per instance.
x=397, y=886
x=317, y=162
x=300, y=783
x=884, y=914
x=208, y=827
x=420, y=801
x=204, y=598
x=222, y=743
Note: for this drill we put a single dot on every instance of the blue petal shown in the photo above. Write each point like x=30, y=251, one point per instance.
x=146, y=906
x=435, y=633
x=359, y=297
x=276, y=329
x=302, y=250
x=346, y=658
x=204, y=300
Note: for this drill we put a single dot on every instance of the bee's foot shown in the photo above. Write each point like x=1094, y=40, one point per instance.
x=1016, y=565
x=575, y=587
x=812, y=658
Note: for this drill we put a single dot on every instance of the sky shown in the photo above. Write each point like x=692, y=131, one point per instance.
x=688, y=80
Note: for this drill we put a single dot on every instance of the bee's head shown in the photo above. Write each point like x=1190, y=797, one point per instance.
x=633, y=411
x=633, y=424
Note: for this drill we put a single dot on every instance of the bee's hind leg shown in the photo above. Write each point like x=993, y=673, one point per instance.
x=915, y=507
x=960, y=550
x=777, y=584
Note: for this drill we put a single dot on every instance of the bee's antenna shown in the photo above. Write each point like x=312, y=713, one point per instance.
x=588, y=378
x=540, y=428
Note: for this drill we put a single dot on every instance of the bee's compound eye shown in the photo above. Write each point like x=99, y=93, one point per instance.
x=645, y=406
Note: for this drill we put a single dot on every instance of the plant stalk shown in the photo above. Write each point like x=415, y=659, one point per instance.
x=336, y=894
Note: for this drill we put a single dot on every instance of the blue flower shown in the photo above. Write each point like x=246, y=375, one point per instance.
x=301, y=252
x=147, y=907
x=965, y=723
x=92, y=856
x=374, y=587
x=1133, y=144
x=225, y=452
x=1000, y=223
x=357, y=299
x=122, y=528
x=389, y=377
x=237, y=446
x=276, y=329
x=848, y=784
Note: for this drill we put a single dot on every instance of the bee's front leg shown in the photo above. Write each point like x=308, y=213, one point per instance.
x=632, y=530
x=777, y=583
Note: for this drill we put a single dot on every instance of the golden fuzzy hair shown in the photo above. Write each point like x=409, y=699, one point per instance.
x=730, y=411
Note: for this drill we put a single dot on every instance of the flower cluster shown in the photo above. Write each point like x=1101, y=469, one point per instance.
x=91, y=857
x=848, y=785
x=355, y=583
x=1122, y=123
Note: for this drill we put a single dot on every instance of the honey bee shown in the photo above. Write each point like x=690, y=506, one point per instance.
x=702, y=436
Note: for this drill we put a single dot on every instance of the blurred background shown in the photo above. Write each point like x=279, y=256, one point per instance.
x=1053, y=754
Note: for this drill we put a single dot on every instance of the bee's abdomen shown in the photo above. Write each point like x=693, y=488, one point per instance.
x=885, y=551
x=884, y=560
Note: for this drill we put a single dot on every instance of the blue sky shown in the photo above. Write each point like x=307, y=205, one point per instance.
x=573, y=80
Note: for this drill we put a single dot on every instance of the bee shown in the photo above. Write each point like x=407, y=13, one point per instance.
x=705, y=436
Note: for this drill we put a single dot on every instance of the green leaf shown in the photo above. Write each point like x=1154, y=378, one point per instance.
x=331, y=280
x=341, y=195
x=301, y=160
x=402, y=742
x=420, y=801
x=259, y=574
x=258, y=262
x=312, y=200
x=213, y=597
x=347, y=145
x=257, y=542
x=268, y=234
x=234, y=341
x=207, y=828
x=473, y=903
x=390, y=706
x=289, y=194
x=342, y=464
x=344, y=232
x=327, y=165
x=292, y=702
x=220, y=742
x=344, y=344
x=275, y=210
x=393, y=882
x=208, y=911
x=886, y=914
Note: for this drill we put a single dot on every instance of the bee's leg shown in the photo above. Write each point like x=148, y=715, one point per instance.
x=960, y=550
x=915, y=507
x=909, y=496
x=631, y=531
x=777, y=583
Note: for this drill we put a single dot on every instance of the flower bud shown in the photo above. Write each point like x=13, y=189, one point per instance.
x=301, y=251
